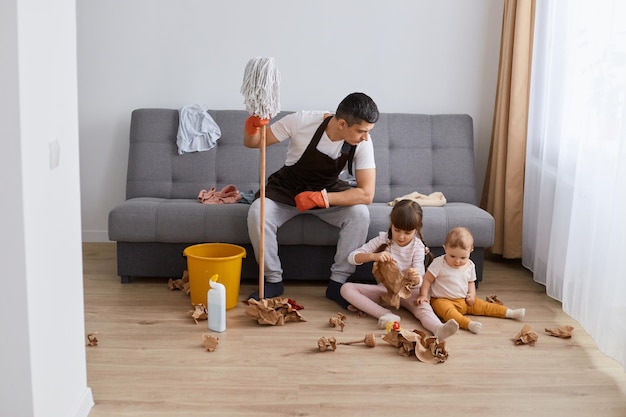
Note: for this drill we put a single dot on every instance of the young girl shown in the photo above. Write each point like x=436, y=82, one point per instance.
x=451, y=281
x=403, y=243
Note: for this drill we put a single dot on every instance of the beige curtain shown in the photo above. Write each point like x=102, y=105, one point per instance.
x=503, y=192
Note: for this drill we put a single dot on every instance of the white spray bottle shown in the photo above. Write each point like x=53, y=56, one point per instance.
x=216, y=308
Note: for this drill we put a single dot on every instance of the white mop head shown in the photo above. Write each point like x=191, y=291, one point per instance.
x=260, y=87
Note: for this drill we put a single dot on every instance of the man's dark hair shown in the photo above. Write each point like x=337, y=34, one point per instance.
x=357, y=107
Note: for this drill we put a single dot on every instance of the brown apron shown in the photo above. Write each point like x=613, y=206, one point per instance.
x=314, y=171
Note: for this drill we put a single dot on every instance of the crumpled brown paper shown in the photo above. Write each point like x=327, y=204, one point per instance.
x=564, y=332
x=338, y=321
x=210, y=342
x=324, y=344
x=398, y=285
x=92, y=340
x=416, y=342
x=493, y=299
x=180, y=283
x=199, y=312
x=273, y=311
x=369, y=340
x=526, y=336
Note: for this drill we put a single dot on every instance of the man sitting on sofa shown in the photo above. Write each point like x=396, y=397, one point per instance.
x=321, y=146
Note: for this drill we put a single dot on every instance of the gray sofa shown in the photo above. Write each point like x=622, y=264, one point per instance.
x=161, y=215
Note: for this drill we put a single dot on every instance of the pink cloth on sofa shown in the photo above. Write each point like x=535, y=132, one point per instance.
x=228, y=194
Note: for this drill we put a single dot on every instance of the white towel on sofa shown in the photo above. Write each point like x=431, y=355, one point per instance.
x=197, y=131
x=435, y=199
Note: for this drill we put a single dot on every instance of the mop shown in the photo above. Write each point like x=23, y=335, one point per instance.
x=260, y=89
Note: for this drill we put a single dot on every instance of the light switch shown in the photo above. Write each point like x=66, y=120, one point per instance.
x=55, y=153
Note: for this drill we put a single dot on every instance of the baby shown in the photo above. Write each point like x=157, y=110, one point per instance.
x=451, y=280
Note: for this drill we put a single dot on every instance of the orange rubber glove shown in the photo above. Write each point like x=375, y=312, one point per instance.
x=308, y=199
x=253, y=123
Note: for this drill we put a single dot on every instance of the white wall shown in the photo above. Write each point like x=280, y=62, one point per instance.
x=42, y=361
x=418, y=56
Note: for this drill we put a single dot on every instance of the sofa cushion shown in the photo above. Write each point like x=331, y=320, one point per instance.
x=188, y=221
x=156, y=170
x=424, y=153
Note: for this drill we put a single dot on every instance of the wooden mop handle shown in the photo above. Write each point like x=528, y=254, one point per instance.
x=262, y=218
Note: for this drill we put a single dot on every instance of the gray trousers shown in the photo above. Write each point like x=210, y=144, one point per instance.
x=352, y=221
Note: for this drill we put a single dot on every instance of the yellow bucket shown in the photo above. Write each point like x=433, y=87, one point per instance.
x=207, y=259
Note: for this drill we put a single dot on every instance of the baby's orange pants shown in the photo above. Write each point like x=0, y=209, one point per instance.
x=456, y=309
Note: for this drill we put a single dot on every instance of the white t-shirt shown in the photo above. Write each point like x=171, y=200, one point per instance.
x=300, y=128
x=408, y=256
x=450, y=282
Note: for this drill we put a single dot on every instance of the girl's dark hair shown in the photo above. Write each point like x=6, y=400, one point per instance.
x=357, y=107
x=407, y=215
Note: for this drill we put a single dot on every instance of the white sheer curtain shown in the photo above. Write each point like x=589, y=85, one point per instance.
x=574, y=232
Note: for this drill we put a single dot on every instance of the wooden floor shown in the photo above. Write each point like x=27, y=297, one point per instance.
x=150, y=360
